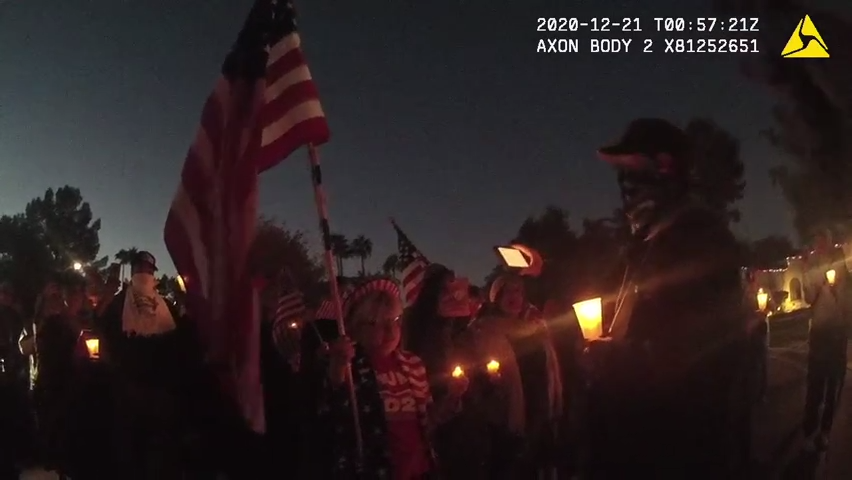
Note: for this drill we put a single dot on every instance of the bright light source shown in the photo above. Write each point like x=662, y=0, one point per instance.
x=78, y=266
x=590, y=316
x=762, y=300
x=513, y=257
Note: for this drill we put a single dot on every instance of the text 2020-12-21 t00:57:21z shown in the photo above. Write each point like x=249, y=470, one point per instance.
x=658, y=24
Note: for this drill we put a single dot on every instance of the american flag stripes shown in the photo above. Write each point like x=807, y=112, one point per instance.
x=263, y=107
x=412, y=264
x=326, y=310
x=287, y=325
x=291, y=308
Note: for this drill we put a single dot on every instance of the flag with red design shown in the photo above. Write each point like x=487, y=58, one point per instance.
x=263, y=107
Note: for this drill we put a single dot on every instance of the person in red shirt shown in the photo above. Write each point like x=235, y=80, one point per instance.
x=372, y=312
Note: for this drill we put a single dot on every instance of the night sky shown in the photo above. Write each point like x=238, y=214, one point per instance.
x=441, y=113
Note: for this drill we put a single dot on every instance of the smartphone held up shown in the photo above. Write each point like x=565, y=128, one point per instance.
x=520, y=258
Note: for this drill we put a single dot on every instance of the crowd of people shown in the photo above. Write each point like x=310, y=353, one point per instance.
x=459, y=384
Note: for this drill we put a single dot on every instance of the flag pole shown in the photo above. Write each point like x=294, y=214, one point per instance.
x=328, y=255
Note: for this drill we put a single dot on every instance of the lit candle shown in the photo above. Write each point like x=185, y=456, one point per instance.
x=590, y=317
x=831, y=276
x=294, y=325
x=762, y=300
x=458, y=372
x=493, y=367
x=93, y=346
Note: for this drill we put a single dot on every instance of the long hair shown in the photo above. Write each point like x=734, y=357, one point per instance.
x=421, y=315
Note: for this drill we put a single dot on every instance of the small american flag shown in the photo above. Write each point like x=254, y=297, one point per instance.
x=326, y=310
x=291, y=309
x=413, y=265
x=263, y=107
x=287, y=326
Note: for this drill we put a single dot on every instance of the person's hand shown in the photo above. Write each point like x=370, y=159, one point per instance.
x=596, y=355
x=27, y=345
x=458, y=386
x=340, y=354
x=111, y=286
x=341, y=351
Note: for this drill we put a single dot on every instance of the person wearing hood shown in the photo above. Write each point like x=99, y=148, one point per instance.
x=147, y=354
x=667, y=395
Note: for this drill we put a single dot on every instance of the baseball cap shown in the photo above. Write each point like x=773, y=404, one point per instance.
x=647, y=137
x=144, y=257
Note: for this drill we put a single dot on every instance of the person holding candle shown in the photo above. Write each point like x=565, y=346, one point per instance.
x=438, y=329
x=516, y=342
x=667, y=383
x=55, y=351
x=831, y=313
x=396, y=411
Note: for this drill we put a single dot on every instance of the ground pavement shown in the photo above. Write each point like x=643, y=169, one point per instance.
x=777, y=438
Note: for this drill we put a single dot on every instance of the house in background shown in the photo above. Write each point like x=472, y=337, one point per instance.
x=785, y=284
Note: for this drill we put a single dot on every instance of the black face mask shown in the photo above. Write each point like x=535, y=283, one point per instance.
x=646, y=196
x=640, y=199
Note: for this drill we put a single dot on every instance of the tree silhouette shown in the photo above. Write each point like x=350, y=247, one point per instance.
x=54, y=232
x=390, y=266
x=341, y=249
x=813, y=116
x=362, y=248
x=770, y=252
x=277, y=250
x=125, y=257
x=68, y=228
x=717, y=168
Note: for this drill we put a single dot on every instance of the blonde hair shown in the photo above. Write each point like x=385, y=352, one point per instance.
x=369, y=307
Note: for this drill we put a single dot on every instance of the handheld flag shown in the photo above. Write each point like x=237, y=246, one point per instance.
x=413, y=265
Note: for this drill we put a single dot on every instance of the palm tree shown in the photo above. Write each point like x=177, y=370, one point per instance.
x=341, y=250
x=124, y=257
x=362, y=247
x=390, y=266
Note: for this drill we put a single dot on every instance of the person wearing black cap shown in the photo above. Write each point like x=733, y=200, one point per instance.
x=147, y=354
x=664, y=376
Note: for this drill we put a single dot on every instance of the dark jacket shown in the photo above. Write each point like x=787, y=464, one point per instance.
x=662, y=399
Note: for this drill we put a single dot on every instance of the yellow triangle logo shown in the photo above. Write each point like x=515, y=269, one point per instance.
x=805, y=42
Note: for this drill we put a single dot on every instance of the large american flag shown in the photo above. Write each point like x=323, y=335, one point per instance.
x=413, y=265
x=263, y=107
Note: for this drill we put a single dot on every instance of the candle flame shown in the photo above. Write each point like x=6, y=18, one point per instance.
x=458, y=372
x=493, y=366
